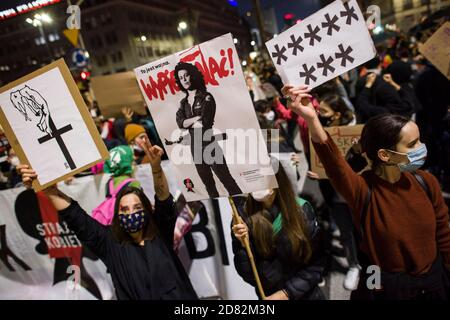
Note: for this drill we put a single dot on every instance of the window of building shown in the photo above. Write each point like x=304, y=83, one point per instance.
x=39, y=41
x=407, y=4
x=52, y=37
x=102, y=60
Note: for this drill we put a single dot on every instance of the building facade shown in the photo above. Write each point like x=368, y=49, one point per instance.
x=119, y=35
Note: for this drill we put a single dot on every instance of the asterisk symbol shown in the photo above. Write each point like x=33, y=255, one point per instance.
x=312, y=34
x=279, y=54
x=295, y=44
x=349, y=13
x=326, y=65
x=308, y=74
x=344, y=55
x=330, y=24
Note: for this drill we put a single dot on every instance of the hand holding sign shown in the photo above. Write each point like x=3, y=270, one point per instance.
x=301, y=103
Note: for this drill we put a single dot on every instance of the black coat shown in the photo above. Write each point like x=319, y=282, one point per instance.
x=280, y=273
x=152, y=271
x=379, y=99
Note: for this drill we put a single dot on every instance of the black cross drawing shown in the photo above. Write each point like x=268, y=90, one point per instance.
x=279, y=54
x=331, y=24
x=326, y=65
x=56, y=134
x=295, y=44
x=349, y=13
x=308, y=74
x=344, y=55
x=313, y=34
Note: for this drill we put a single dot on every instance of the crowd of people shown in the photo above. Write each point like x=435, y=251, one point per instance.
x=391, y=215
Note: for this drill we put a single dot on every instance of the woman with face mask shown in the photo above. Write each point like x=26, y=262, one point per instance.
x=137, y=249
x=404, y=231
x=286, y=243
x=333, y=112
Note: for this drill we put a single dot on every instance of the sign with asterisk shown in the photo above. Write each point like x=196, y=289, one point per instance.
x=325, y=45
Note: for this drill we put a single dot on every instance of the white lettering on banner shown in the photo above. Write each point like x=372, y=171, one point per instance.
x=328, y=43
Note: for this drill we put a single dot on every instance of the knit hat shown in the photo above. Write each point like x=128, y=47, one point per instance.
x=132, y=130
x=120, y=161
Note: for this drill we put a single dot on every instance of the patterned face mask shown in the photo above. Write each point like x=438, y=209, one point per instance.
x=133, y=222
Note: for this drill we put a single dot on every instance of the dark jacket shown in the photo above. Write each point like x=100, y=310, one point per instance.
x=152, y=271
x=281, y=273
x=204, y=107
x=381, y=98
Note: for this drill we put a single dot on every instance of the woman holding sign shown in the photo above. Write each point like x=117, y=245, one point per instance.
x=399, y=210
x=137, y=250
x=286, y=241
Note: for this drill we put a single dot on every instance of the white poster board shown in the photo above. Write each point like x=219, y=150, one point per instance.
x=48, y=124
x=233, y=158
x=328, y=43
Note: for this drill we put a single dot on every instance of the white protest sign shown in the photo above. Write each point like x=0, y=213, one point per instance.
x=200, y=94
x=49, y=126
x=328, y=43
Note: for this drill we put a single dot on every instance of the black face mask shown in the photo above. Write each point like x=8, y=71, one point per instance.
x=325, y=121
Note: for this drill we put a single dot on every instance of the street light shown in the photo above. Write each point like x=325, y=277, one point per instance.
x=182, y=25
x=38, y=21
x=143, y=38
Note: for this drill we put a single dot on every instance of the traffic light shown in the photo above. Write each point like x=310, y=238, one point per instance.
x=289, y=19
x=85, y=75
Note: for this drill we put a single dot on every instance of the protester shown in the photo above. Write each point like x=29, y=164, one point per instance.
x=120, y=166
x=334, y=112
x=137, y=249
x=398, y=209
x=286, y=242
x=375, y=96
x=135, y=134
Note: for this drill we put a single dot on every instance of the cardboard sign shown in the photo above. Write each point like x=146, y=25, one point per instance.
x=49, y=126
x=115, y=91
x=437, y=49
x=343, y=137
x=328, y=43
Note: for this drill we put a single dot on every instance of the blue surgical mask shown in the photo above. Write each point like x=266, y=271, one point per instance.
x=133, y=222
x=416, y=159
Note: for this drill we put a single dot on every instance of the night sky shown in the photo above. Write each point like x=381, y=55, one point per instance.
x=301, y=8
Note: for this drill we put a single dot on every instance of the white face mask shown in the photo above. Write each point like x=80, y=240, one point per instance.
x=14, y=161
x=270, y=115
x=137, y=148
x=262, y=195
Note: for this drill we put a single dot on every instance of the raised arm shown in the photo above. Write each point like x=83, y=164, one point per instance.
x=155, y=153
x=349, y=184
x=91, y=233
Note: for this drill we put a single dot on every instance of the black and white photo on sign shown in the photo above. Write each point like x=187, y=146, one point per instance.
x=206, y=120
x=328, y=43
x=48, y=126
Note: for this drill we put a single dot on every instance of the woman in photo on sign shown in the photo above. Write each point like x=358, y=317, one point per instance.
x=137, y=249
x=196, y=114
x=286, y=242
x=398, y=210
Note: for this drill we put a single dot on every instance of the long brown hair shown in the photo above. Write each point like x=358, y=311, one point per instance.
x=149, y=231
x=293, y=225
